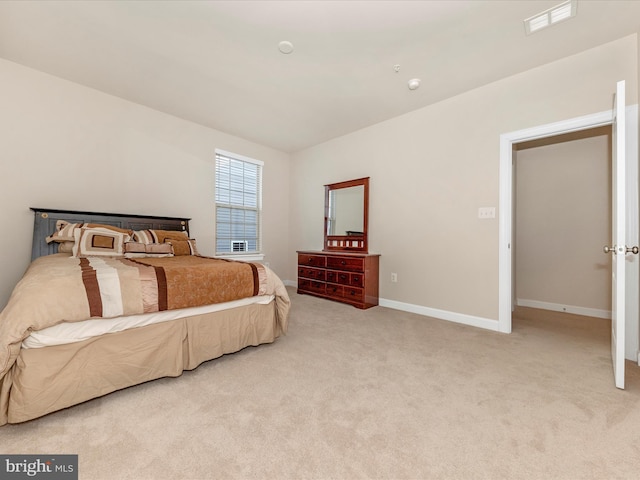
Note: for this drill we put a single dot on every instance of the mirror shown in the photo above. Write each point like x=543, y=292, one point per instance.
x=346, y=209
x=346, y=215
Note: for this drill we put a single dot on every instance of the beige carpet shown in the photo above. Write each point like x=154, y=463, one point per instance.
x=374, y=394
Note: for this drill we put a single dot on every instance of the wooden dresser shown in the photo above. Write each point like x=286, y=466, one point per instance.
x=344, y=277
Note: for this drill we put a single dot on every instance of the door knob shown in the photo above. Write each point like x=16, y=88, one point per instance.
x=616, y=250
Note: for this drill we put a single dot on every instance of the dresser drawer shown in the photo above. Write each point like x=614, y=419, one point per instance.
x=334, y=290
x=335, y=276
x=313, y=273
x=353, y=293
x=311, y=286
x=345, y=278
x=356, y=280
x=346, y=263
x=312, y=260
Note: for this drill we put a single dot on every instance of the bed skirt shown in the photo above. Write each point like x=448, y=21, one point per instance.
x=44, y=380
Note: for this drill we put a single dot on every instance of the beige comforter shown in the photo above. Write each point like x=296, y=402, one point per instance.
x=59, y=288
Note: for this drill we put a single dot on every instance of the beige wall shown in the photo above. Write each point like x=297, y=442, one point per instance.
x=69, y=147
x=563, y=219
x=433, y=168
x=430, y=171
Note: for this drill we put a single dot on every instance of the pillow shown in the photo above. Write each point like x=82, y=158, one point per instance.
x=141, y=250
x=183, y=247
x=128, y=231
x=66, y=247
x=158, y=236
x=143, y=236
x=99, y=242
x=134, y=247
x=65, y=230
x=159, y=249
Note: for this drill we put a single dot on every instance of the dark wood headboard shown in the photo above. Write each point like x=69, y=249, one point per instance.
x=45, y=224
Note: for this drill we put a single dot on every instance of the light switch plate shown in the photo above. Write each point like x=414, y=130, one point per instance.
x=487, y=212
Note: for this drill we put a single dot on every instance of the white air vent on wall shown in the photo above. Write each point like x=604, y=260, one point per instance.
x=239, y=245
x=549, y=17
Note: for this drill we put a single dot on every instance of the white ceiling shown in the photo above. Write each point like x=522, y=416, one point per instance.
x=217, y=63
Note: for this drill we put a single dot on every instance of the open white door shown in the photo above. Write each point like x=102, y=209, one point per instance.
x=618, y=232
x=625, y=145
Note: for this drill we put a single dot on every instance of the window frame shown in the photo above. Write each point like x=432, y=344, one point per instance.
x=258, y=254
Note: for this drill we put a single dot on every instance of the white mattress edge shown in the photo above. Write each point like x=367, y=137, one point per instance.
x=72, y=332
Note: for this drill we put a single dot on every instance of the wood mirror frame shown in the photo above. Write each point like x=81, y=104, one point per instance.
x=352, y=241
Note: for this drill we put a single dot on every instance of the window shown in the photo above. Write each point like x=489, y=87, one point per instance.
x=238, y=204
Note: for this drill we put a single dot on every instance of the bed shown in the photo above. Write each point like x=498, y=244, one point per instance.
x=111, y=300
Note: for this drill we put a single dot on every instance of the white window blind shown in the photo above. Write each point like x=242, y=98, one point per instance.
x=238, y=204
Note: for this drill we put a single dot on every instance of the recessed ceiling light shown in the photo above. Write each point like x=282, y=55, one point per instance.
x=285, y=47
x=564, y=11
x=414, y=83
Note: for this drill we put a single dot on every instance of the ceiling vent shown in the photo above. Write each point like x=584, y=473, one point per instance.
x=559, y=13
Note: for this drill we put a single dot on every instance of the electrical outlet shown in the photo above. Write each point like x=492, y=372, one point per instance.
x=394, y=278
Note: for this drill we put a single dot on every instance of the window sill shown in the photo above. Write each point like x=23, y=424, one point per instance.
x=255, y=257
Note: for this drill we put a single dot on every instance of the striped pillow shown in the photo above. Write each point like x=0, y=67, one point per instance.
x=65, y=231
x=141, y=250
x=183, y=247
x=143, y=236
x=158, y=236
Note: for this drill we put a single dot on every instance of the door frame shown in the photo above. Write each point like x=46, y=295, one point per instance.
x=505, y=217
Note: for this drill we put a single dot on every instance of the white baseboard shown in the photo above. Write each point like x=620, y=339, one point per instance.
x=482, y=322
x=431, y=312
x=442, y=314
x=557, y=307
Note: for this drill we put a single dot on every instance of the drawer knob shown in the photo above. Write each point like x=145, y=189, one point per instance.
x=343, y=262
